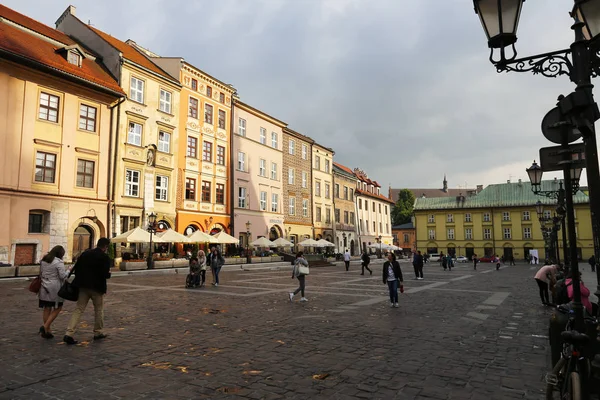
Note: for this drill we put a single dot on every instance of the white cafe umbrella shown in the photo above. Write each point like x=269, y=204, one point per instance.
x=281, y=242
x=201, y=237
x=136, y=235
x=262, y=242
x=325, y=243
x=224, y=238
x=309, y=243
x=171, y=236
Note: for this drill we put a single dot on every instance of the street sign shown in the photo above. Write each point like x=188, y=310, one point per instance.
x=554, y=159
x=554, y=127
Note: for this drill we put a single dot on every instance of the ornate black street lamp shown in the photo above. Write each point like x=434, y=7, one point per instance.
x=380, y=253
x=578, y=111
x=248, y=258
x=152, y=229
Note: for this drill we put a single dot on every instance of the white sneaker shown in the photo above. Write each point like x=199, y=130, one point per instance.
x=216, y=284
x=291, y=296
x=396, y=305
x=391, y=305
x=420, y=279
x=304, y=299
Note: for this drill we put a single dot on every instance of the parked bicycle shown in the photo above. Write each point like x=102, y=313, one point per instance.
x=572, y=376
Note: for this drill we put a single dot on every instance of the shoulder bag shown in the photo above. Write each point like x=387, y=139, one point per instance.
x=36, y=283
x=303, y=269
x=68, y=291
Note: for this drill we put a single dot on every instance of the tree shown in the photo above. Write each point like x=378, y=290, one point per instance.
x=403, y=209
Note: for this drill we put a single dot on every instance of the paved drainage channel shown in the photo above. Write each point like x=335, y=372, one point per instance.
x=491, y=303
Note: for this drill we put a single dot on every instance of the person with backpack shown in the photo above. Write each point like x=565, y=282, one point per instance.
x=545, y=275
x=366, y=260
x=296, y=273
x=443, y=261
x=585, y=293
x=392, y=275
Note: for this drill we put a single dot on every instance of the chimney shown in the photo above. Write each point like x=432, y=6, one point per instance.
x=520, y=182
x=69, y=11
x=479, y=188
x=508, y=181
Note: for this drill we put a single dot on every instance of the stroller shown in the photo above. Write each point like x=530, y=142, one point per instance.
x=192, y=280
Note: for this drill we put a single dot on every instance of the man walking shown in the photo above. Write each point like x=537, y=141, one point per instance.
x=366, y=260
x=92, y=269
x=418, y=265
x=475, y=261
x=347, y=259
x=592, y=262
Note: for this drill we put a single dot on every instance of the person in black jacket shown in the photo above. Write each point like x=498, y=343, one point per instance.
x=92, y=269
x=366, y=260
x=392, y=274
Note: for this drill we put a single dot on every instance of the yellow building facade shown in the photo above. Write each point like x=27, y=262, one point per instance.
x=500, y=220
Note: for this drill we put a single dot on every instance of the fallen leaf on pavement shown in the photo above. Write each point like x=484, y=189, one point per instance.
x=320, y=377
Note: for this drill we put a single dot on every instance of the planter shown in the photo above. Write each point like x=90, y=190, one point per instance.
x=235, y=260
x=331, y=259
x=180, y=262
x=28, y=270
x=163, y=264
x=7, y=272
x=133, y=265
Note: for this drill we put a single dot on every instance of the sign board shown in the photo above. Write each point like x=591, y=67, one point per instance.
x=555, y=159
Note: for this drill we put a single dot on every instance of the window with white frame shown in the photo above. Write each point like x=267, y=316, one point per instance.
x=242, y=197
x=547, y=214
x=274, y=202
x=292, y=147
x=526, y=216
x=292, y=209
x=487, y=233
x=304, y=179
x=318, y=163
x=431, y=218
x=263, y=201
x=468, y=233
x=74, y=58
x=136, y=89
x=327, y=191
x=450, y=233
x=318, y=214
x=505, y=216
x=274, y=140
x=162, y=187
x=507, y=233
x=132, y=183
x=318, y=189
x=87, y=118
x=274, y=171
x=164, y=142
x=291, y=176
x=468, y=217
x=486, y=217
x=450, y=218
x=327, y=166
x=241, y=161
x=262, y=167
x=164, y=104
x=134, y=135
x=263, y=136
x=241, y=127
x=304, y=151
x=526, y=233
x=305, y=208
x=432, y=234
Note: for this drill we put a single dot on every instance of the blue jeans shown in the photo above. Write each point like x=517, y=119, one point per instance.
x=216, y=272
x=393, y=286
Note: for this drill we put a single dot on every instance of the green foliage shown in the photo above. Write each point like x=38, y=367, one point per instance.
x=111, y=251
x=403, y=209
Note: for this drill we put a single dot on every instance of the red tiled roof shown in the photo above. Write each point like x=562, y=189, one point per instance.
x=34, y=25
x=23, y=44
x=343, y=167
x=374, y=195
x=131, y=53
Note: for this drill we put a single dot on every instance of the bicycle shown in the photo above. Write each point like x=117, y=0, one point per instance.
x=571, y=377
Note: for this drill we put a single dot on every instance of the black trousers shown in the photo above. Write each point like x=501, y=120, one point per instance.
x=347, y=265
x=418, y=271
x=543, y=291
x=363, y=265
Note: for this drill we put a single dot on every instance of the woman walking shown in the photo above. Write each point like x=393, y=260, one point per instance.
x=392, y=274
x=53, y=275
x=202, y=264
x=216, y=262
x=300, y=260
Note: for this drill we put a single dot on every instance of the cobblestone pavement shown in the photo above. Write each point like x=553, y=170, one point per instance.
x=457, y=335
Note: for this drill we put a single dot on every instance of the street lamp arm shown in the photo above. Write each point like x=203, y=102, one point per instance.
x=549, y=65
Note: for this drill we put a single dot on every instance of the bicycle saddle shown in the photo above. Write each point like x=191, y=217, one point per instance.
x=575, y=337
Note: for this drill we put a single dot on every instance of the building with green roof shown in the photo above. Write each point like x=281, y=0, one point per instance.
x=499, y=220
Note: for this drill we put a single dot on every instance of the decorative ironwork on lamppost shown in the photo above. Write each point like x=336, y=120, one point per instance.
x=152, y=229
x=248, y=258
x=581, y=62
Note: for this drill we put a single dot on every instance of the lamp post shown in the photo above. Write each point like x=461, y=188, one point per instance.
x=152, y=229
x=248, y=258
x=581, y=62
x=551, y=225
x=379, y=239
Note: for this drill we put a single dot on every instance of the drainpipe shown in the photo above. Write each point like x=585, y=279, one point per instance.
x=110, y=186
x=493, y=234
x=231, y=168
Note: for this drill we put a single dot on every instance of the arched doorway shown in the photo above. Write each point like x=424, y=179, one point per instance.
x=275, y=233
x=190, y=229
x=83, y=239
x=162, y=226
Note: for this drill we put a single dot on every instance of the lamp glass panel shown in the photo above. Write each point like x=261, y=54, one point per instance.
x=576, y=174
x=539, y=208
x=511, y=10
x=591, y=16
x=489, y=14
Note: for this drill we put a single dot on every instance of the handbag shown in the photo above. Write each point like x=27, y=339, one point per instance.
x=35, y=285
x=303, y=270
x=68, y=291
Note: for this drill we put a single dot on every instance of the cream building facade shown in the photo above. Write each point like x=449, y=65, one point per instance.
x=297, y=187
x=146, y=135
x=257, y=184
x=344, y=185
x=55, y=113
x=374, y=212
x=322, y=186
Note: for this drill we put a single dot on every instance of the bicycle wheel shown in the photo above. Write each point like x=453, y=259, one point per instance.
x=575, y=386
x=552, y=388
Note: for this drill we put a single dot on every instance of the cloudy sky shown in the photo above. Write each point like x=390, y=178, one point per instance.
x=400, y=88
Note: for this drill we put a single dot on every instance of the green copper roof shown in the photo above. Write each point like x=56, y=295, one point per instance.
x=516, y=194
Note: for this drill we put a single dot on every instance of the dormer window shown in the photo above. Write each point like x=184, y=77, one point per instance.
x=74, y=58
